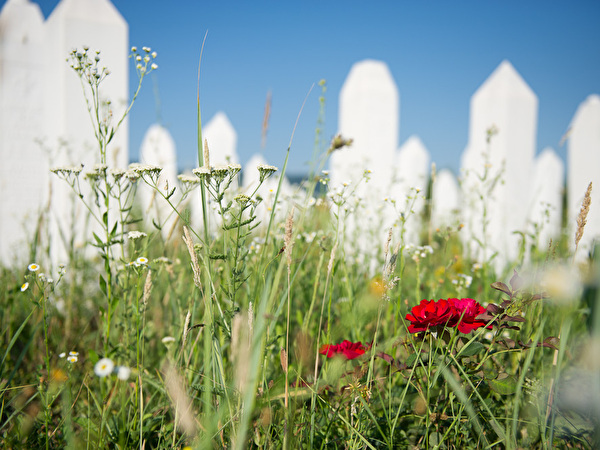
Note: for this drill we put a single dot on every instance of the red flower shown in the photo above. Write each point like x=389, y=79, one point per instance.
x=429, y=314
x=349, y=349
x=469, y=309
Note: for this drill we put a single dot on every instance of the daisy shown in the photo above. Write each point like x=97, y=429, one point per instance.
x=104, y=367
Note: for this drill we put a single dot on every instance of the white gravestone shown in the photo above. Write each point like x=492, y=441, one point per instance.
x=369, y=115
x=158, y=149
x=409, y=186
x=24, y=172
x=250, y=181
x=584, y=167
x=222, y=140
x=546, y=197
x=496, y=174
x=72, y=25
x=445, y=199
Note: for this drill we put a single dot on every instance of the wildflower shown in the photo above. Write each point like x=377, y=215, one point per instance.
x=154, y=66
x=24, y=287
x=350, y=350
x=202, y=172
x=133, y=49
x=141, y=261
x=265, y=171
x=154, y=54
x=133, y=235
x=62, y=355
x=466, y=311
x=33, y=267
x=123, y=372
x=104, y=367
x=430, y=314
x=73, y=357
x=61, y=269
x=42, y=277
x=65, y=171
x=168, y=339
x=449, y=313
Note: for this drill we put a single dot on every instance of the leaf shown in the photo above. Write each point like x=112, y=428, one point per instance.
x=494, y=309
x=508, y=318
x=509, y=343
x=505, y=386
x=500, y=286
x=472, y=349
x=103, y=285
x=516, y=281
x=551, y=342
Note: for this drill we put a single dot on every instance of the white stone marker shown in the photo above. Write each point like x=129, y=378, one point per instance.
x=445, y=199
x=410, y=180
x=222, y=140
x=368, y=114
x=546, y=197
x=158, y=149
x=505, y=103
x=72, y=25
x=584, y=167
x=24, y=171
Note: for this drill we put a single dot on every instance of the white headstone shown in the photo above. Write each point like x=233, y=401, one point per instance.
x=497, y=170
x=158, y=148
x=72, y=25
x=222, y=140
x=410, y=184
x=24, y=171
x=584, y=167
x=368, y=114
x=250, y=181
x=546, y=197
x=445, y=199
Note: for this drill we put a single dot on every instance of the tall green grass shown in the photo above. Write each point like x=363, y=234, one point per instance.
x=217, y=336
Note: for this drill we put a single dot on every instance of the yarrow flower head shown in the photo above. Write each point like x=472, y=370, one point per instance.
x=265, y=171
x=453, y=312
x=133, y=235
x=104, y=367
x=350, y=350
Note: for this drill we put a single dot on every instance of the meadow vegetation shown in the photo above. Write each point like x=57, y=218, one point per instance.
x=251, y=330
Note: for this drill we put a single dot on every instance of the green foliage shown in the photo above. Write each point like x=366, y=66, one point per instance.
x=203, y=329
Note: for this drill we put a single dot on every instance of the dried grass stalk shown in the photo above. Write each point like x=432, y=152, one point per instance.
x=187, y=238
x=582, y=217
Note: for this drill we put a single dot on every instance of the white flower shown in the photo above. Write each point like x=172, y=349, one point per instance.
x=123, y=372
x=62, y=355
x=154, y=54
x=168, y=339
x=72, y=358
x=154, y=66
x=134, y=49
x=104, y=367
x=24, y=287
x=136, y=235
x=33, y=267
x=141, y=261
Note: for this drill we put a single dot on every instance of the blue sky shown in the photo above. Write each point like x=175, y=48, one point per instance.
x=439, y=53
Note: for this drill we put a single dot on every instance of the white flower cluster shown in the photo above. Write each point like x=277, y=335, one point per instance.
x=418, y=252
x=106, y=366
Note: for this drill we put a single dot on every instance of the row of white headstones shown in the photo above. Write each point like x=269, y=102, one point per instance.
x=503, y=187
x=40, y=97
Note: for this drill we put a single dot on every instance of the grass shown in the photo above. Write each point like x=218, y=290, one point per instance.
x=216, y=335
